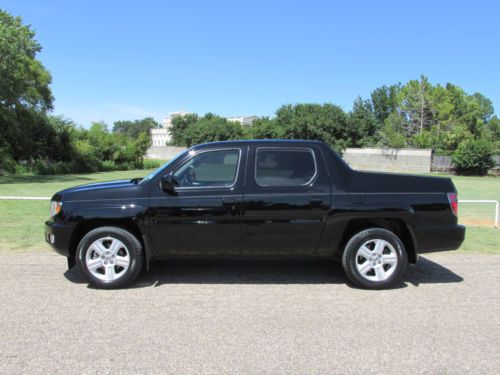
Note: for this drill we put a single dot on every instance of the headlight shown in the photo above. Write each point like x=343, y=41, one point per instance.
x=54, y=208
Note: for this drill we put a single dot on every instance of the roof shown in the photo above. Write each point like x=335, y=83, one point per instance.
x=258, y=141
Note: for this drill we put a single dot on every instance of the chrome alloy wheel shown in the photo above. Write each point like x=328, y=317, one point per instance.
x=376, y=260
x=107, y=259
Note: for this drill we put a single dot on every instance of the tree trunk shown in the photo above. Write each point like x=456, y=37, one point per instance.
x=422, y=103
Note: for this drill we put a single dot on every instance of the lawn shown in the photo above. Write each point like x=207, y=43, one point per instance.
x=21, y=222
x=474, y=188
x=46, y=186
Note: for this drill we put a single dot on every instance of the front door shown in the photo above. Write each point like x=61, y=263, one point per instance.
x=286, y=201
x=202, y=218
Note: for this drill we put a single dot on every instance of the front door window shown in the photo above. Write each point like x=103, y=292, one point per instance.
x=209, y=169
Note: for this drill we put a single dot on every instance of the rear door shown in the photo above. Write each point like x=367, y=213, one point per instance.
x=286, y=201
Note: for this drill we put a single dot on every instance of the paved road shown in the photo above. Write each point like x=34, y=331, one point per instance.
x=255, y=317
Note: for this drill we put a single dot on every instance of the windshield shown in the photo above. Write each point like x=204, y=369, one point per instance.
x=158, y=170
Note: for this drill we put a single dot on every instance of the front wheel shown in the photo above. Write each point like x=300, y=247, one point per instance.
x=109, y=257
x=374, y=258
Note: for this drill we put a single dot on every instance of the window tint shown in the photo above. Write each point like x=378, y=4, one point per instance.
x=284, y=167
x=212, y=168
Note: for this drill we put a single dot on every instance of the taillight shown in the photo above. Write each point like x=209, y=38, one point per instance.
x=452, y=198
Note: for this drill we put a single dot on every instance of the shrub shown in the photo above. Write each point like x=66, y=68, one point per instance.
x=151, y=164
x=125, y=166
x=85, y=155
x=22, y=168
x=49, y=167
x=390, y=137
x=108, y=165
x=64, y=167
x=473, y=156
x=7, y=163
x=43, y=167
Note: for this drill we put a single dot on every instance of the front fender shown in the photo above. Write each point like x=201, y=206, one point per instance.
x=84, y=216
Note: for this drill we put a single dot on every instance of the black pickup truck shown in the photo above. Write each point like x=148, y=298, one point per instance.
x=266, y=198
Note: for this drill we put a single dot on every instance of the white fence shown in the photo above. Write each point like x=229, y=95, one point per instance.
x=14, y=198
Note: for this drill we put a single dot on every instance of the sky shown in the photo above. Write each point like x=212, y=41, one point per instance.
x=124, y=60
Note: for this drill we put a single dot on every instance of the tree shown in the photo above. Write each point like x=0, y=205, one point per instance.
x=212, y=128
x=479, y=110
x=25, y=95
x=25, y=81
x=416, y=105
x=55, y=138
x=483, y=107
x=178, y=129
x=134, y=128
x=362, y=124
x=326, y=122
x=264, y=128
x=392, y=133
x=442, y=107
x=385, y=100
x=492, y=131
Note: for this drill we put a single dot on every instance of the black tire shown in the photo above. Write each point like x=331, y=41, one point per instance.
x=350, y=257
x=135, y=253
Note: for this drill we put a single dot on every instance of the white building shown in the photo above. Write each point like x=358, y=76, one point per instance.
x=161, y=137
x=243, y=120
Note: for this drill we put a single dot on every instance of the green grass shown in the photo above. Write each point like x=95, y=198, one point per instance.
x=481, y=240
x=483, y=188
x=46, y=186
x=21, y=222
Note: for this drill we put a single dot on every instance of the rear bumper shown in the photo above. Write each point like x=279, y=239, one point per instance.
x=58, y=235
x=439, y=238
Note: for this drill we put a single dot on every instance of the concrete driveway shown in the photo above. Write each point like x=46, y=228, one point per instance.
x=228, y=317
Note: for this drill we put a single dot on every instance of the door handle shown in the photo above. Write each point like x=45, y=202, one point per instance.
x=316, y=201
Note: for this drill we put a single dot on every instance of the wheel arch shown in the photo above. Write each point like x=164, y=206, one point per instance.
x=85, y=226
x=395, y=225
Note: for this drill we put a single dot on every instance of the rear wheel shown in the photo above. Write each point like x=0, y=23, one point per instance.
x=374, y=258
x=109, y=257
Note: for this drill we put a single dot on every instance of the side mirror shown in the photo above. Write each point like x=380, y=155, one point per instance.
x=168, y=183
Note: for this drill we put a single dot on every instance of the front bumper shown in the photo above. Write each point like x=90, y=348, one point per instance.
x=439, y=238
x=58, y=235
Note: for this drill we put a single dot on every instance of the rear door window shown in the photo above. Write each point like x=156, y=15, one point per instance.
x=284, y=167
